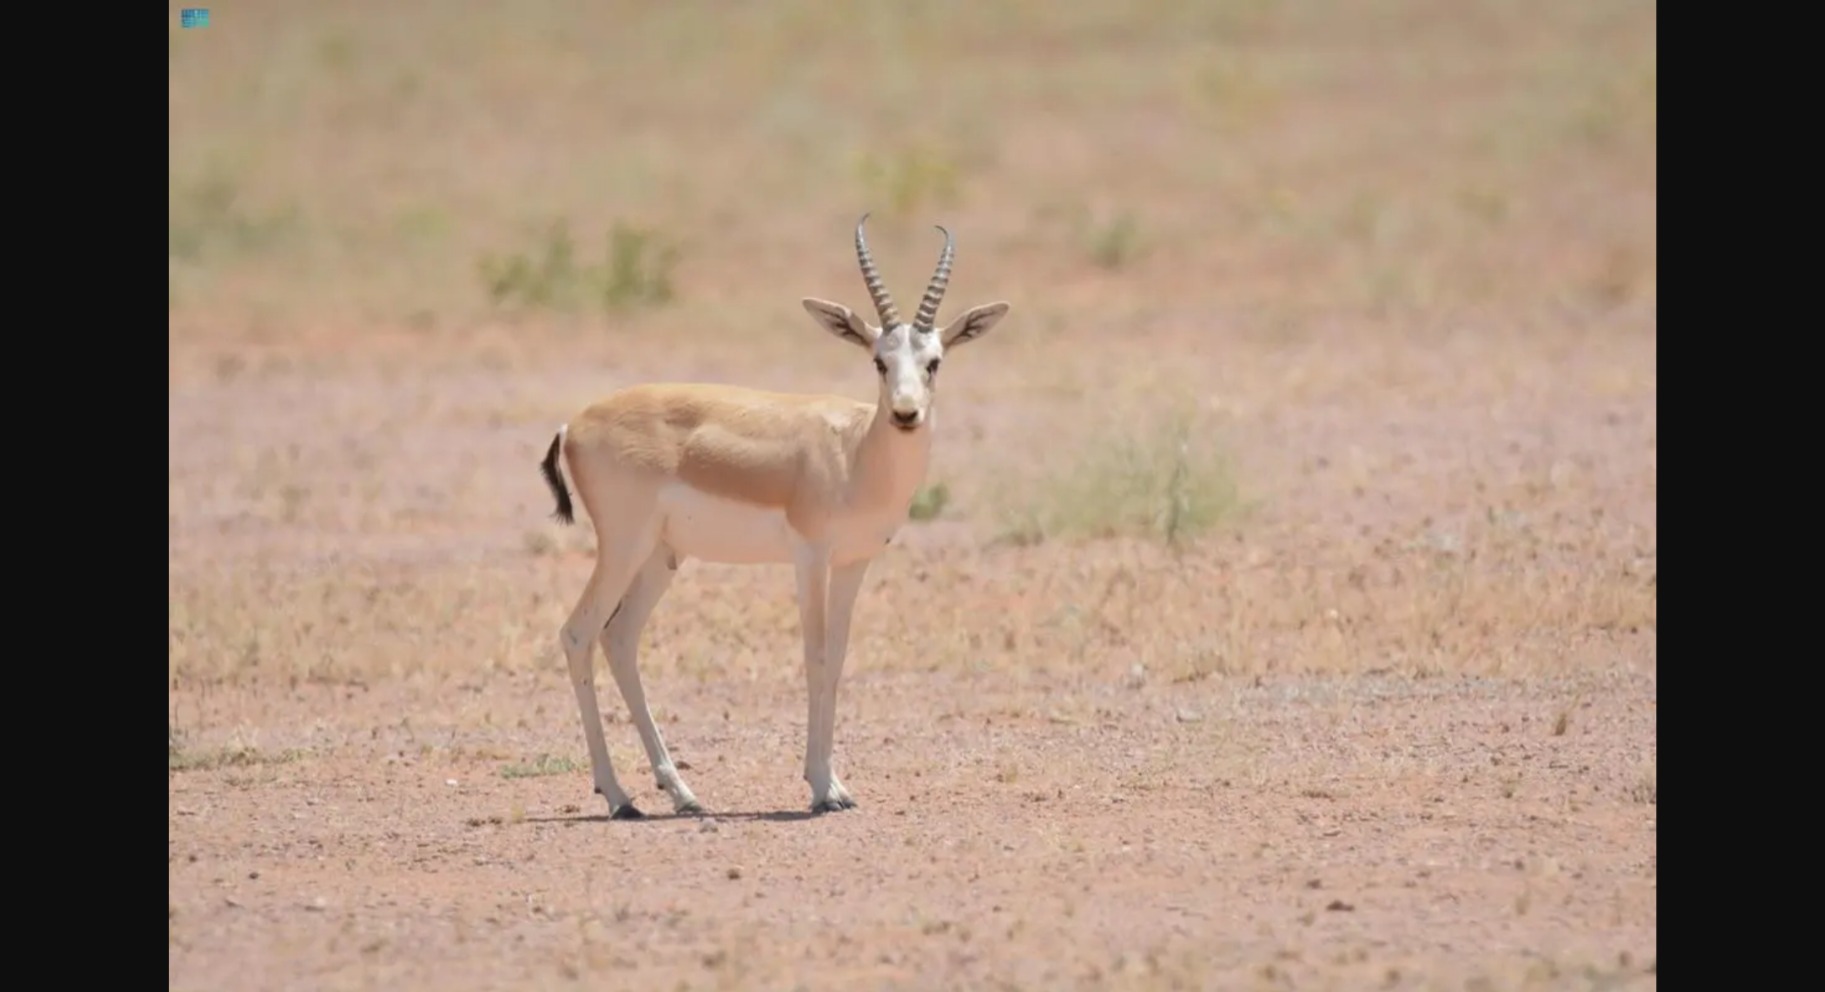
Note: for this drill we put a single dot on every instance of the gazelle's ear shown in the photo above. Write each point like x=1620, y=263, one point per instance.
x=841, y=321
x=973, y=324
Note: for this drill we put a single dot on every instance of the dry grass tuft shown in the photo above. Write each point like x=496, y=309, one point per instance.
x=1167, y=479
x=1646, y=787
x=232, y=756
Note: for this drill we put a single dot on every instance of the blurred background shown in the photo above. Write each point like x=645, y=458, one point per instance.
x=1329, y=278
x=689, y=166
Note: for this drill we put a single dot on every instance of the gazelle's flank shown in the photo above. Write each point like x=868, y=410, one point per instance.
x=729, y=474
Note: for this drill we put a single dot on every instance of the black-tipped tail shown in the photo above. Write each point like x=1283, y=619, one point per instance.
x=555, y=479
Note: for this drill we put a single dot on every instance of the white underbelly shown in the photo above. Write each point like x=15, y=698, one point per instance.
x=716, y=529
x=712, y=528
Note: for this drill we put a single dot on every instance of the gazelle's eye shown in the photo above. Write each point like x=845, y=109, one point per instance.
x=932, y=369
x=880, y=366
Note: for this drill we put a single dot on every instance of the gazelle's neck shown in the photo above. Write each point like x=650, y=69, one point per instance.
x=890, y=462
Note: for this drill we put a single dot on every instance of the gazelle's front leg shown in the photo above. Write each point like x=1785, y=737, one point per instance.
x=812, y=565
x=845, y=584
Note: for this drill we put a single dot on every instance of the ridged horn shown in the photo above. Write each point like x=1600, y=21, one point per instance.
x=883, y=300
x=934, y=293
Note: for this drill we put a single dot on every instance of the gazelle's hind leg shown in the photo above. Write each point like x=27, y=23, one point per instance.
x=621, y=641
x=617, y=558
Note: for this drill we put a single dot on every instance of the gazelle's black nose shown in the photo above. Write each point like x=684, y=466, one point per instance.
x=905, y=419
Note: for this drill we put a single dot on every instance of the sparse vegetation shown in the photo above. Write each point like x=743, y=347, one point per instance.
x=1117, y=242
x=1170, y=480
x=1232, y=94
x=636, y=272
x=544, y=764
x=930, y=501
x=179, y=759
x=640, y=267
x=1646, y=787
x=909, y=181
x=539, y=542
x=211, y=221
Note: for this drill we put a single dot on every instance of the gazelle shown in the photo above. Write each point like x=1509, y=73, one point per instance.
x=735, y=475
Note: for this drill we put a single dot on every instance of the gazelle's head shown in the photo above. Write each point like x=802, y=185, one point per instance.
x=906, y=356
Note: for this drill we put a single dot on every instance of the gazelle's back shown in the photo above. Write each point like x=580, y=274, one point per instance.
x=732, y=442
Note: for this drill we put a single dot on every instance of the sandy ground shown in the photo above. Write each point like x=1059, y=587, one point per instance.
x=1376, y=833
x=1365, y=738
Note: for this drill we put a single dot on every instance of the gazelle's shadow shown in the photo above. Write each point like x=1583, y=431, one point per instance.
x=775, y=816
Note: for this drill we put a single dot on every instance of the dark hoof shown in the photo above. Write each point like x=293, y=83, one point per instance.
x=628, y=811
x=831, y=806
x=691, y=809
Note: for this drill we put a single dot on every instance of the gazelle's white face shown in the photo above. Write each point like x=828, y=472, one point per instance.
x=906, y=359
